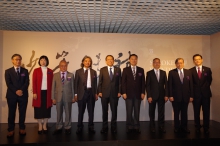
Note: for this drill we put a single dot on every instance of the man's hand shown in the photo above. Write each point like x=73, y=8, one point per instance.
x=100, y=95
x=35, y=96
x=124, y=96
x=19, y=92
x=119, y=95
x=54, y=101
x=96, y=97
x=171, y=99
x=190, y=99
x=142, y=96
x=166, y=99
x=149, y=99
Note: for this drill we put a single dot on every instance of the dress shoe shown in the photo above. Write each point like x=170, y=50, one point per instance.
x=198, y=130
x=57, y=131
x=104, y=130
x=40, y=132
x=161, y=129
x=10, y=134
x=129, y=130
x=152, y=130
x=91, y=130
x=114, y=130
x=185, y=130
x=206, y=131
x=79, y=131
x=22, y=132
x=137, y=131
x=177, y=130
x=68, y=131
x=45, y=131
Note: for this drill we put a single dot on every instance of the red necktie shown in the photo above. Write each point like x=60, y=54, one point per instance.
x=199, y=73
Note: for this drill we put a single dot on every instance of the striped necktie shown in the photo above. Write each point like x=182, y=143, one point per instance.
x=133, y=71
x=62, y=79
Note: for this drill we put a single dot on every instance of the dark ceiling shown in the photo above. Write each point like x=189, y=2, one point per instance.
x=191, y=17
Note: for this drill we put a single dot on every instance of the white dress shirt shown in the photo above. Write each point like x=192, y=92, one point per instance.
x=200, y=67
x=44, y=78
x=112, y=69
x=88, y=78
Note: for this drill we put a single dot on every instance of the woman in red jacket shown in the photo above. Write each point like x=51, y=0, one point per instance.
x=42, y=102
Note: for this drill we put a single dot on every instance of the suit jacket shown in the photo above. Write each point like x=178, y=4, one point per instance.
x=78, y=83
x=177, y=90
x=63, y=91
x=15, y=82
x=107, y=86
x=202, y=86
x=154, y=88
x=37, y=81
x=133, y=88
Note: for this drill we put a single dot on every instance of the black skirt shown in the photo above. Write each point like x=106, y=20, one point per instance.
x=42, y=112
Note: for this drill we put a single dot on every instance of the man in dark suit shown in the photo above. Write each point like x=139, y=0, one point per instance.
x=157, y=92
x=85, y=89
x=17, y=81
x=133, y=90
x=202, y=79
x=109, y=90
x=180, y=87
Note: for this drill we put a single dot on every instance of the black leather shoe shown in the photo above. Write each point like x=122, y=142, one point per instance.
x=152, y=130
x=91, y=131
x=10, y=134
x=40, y=132
x=137, y=131
x=206, y=131
x=45, y=131
x=198, y=130
x=161, y=129
x=129, y=130
x=57, y=131
x=68, y=131
x=185, y=130
x=104, y=130
x=114, y=130
x=177, y=130
x=79, y=131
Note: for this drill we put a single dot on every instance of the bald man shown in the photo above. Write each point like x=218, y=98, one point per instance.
x=63, y=97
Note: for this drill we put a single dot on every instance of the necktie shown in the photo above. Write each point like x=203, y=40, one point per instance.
x=110, y=74
x=199, y=73
x=181, y=76
x=134, y=74
x=17, y=71
x=62, y=79
x=85, y=78
x=157, y=75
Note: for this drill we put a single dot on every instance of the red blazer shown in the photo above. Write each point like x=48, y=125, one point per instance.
x=37, y=81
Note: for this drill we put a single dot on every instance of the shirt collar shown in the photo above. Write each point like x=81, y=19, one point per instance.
x=156, y=69
x=17, y=67
x=180, y=70
x=85, y=68
x=63, y=72
x=133, y=66
x=110, y=67
x=199, y=67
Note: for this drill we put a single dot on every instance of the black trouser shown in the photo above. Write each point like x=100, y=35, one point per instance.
x=12, y=106
x=152, y=106
x=180, y=108
x=89, y=100
x=113, y=101
x=203, y=102
x=133, y=105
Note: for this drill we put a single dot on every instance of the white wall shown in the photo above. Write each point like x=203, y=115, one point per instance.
x=215, y=66
x=147, y=47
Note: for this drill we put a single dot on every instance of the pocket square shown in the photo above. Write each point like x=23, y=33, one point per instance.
x=22, y=74
x=68, y=78
x=140, y=74
x=187, y=77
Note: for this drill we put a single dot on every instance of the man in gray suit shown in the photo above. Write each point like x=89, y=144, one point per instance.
x=63, y=97
x=109, y=90
x=85, y=87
